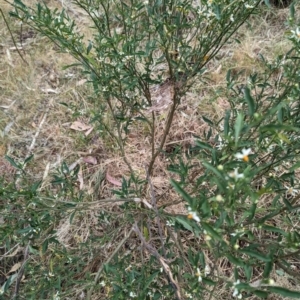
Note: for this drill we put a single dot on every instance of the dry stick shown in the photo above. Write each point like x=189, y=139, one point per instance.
x=89, y=295
x=10, y=250
x=12, y=37
x=153, y=202
x=21, y=272
x=161, y=260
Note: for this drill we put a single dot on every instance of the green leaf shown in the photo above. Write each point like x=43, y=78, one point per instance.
x=268, y=269
x=149, y=280
x=273, y=229
x=203, y=145
x=208, y=121
x=278, y=127
x=208, y=281
x=212, y=168
x=238, y=127
x=248, y=271
x=250, y=101
x=295, y=167
x=12, y=162
x=280, y=115
x=184, y=223
x=226, y=123
x=45, y=246
x=292, y=10
x=9, y=282
x=28, y=159
x=89, y=47
x=284, y=292
x=211, y=231
x=284, y=138
x=255, y=254
x=234, y=260
x=287, y=204
x=72, y=216
x=261, y=294
x=252, y=211
x=182, y=192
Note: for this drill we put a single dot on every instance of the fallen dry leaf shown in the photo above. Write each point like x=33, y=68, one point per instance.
x=15, y=267
x=90, y=160
x=50, y=91
x=113, y=180
x=79, y=126
x=88, y=131
x=81, y=82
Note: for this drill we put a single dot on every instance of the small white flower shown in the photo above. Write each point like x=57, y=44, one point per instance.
x=102, y=283
x=296, y=33
x=231, y=18
x=244, y=155
x=236, y=292
x=221, y=143
x=236, y=175
x=170, y=223
x=248, y=6
x=207, y=270
x=290, y=191
x=56, y=296
x=189, y=296
x=198, y=274
x=219, y=198
x=132, y=295
x=193, y=215
x=240, y=231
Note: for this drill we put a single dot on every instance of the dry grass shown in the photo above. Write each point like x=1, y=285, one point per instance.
x=31, y=110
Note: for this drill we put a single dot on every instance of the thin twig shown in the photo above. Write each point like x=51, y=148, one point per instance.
x=10, y=250
x=161, y=260
x=12, y=37
x=154, y=204
x=89, y=294
x=21, y=272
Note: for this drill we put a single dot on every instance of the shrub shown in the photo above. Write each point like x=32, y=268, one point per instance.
x=241, y=209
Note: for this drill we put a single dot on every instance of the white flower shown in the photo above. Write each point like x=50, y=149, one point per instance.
x=236, y=175
x=102, y=283
x=219, y=198
x=221, y=144
x=132, y=294
x=248, y=6
x=236, y=292
x=198, y=274
x=290, y=191
x=296, y=33
x=240, y=232
x=188, y=295
x=244, y=155
x=170, y=223
x=231, y=18
x=193, y=215
x=207, y=270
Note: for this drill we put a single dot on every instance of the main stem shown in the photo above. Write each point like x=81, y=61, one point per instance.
x=166, y=132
